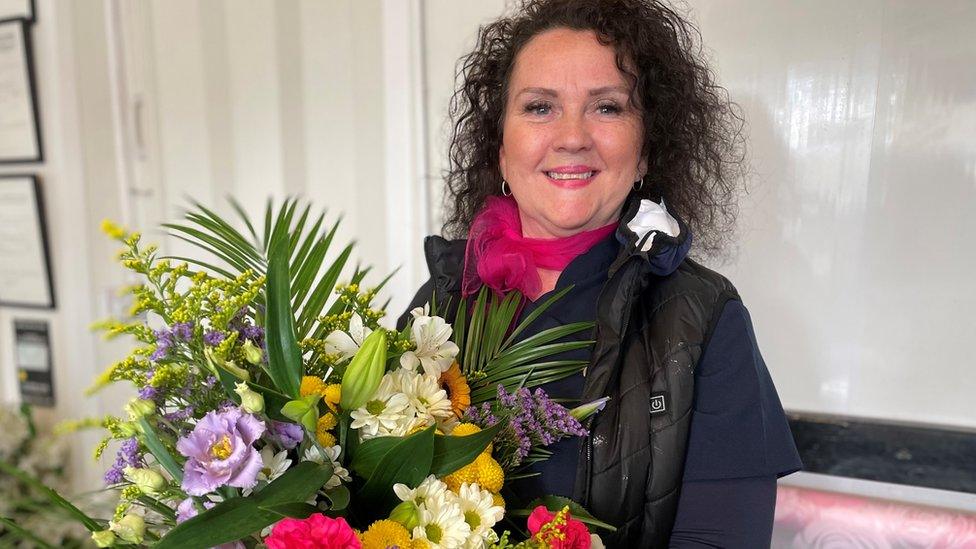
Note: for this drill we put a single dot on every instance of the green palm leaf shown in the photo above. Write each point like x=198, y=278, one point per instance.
x=309, y=239
x=491, y=356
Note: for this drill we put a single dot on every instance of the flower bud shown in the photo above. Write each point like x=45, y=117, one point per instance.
x=253, y=354
x=147, y=480
x=237, y=371
x=406, y=514
x=584, y=411
x=304, y=410
x=103, y=538
x=130, y=528
x=365, y=371
x=138, y=408
x=215, y=361
x=251, y=402
x=129, y=429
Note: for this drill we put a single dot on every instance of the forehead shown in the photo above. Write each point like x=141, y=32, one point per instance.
x=566, y=59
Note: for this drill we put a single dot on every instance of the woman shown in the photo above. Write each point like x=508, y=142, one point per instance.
x=590, y=144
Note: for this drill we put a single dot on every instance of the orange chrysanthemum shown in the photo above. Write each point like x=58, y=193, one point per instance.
x=456, y=385
x=312, y=385
x=332, y=395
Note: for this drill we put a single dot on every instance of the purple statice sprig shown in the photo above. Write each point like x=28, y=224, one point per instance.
x=167, y=338
x=534, y=421
x=127, y=456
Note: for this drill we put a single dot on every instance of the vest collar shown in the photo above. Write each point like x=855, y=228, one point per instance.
x=649, y=232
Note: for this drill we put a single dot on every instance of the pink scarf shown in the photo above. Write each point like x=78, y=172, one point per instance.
x=498, y=256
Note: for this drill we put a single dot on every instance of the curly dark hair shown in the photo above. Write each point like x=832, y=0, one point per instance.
x=692, y=132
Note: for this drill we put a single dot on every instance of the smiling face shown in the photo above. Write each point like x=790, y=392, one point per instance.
x=571, y=137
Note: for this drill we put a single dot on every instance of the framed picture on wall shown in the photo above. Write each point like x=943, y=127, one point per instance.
x=20, y=134
x=25, y=266
x=17, y=9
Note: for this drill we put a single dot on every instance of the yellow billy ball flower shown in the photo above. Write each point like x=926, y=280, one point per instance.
x=498, y=500
x=420, y=543
x=491, y=477
x=465, y=429
x=385, y=533
x=468, y=473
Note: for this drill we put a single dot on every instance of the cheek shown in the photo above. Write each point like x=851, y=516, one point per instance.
x=525, y=147
x=621, y=148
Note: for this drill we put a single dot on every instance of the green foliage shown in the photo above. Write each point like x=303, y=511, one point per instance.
x=238, y=518
x=284, y=358
x=490, y=356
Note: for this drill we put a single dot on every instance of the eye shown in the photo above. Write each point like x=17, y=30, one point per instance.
x=609, y=108
x=538, y=107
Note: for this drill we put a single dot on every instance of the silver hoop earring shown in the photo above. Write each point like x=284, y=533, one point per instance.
x=639, y=184
x=506, y=191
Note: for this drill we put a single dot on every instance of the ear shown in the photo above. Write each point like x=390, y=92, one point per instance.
x=642, y=167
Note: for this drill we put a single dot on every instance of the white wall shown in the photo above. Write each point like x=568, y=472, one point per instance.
x=79, y=188
x=146, y=103
x=856, y=246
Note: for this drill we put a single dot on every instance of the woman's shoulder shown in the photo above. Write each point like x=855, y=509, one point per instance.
x=691, y=273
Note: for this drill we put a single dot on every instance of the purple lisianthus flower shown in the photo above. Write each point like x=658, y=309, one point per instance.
x=219, y=452
x=286, y=435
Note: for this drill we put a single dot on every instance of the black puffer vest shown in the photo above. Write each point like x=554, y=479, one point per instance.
x=651, y=331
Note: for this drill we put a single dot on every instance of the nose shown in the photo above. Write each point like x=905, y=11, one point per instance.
x=572, y=134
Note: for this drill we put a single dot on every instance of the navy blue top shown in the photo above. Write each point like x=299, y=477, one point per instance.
x=738, y=427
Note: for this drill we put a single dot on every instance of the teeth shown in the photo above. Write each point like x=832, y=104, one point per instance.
x=584, y=175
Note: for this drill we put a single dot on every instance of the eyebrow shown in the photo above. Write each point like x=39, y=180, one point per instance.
x=596, y=91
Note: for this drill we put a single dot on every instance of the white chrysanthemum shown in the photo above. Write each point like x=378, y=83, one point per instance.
x=442, y=523
x=428, y=400
x=431, y=487
x=479, y=510
x=384, y=413
x=435, y=352
x=347, y=343
x=275, y=465
x=331, y=453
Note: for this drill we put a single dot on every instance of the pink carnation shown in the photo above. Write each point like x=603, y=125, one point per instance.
x=577, y=536
x=316, y=532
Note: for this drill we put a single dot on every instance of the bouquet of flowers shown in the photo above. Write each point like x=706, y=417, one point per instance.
x=274, y=410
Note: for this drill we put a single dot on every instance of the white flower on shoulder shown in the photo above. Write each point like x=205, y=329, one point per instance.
x=479, y=510
x=650, y=219
x=418, y=312
x=383, y=413
x=435, y=352
x=331, y=453
x=346, y=344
